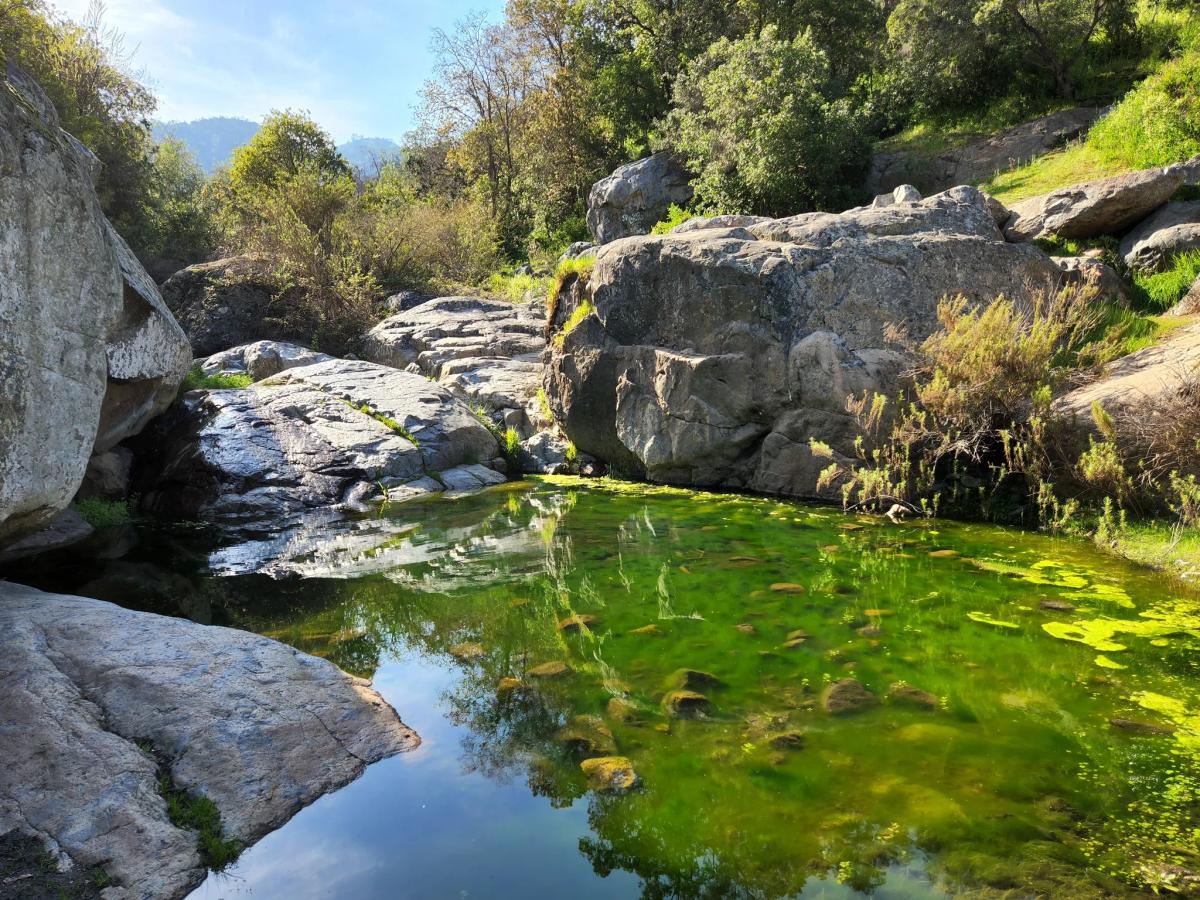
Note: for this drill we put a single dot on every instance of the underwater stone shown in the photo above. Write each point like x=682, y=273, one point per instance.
x=509, y=685
x=902, y=692
x=647, y=629
x=587, y=735
x=786, y=740
x=788, y=587
x=467, y=651
x=847, y=696
x=685, y=704
x=1134, y=727
x=554, y=669
x=624, y=710
x=576, y=623
x=1058, y=605
x=610, y=774
x=692, y=680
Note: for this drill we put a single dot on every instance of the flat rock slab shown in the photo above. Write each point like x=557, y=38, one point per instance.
x=328, y=436
x=1135, y=380
x=255, y=725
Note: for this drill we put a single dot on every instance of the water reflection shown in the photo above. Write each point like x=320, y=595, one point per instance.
x=998, y=772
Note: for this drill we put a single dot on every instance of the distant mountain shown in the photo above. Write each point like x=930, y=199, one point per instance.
x=212, y=141
x=364, y=153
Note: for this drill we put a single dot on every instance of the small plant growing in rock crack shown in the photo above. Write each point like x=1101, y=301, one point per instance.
x=194, y=812
x=512, y=441
x=386, y=422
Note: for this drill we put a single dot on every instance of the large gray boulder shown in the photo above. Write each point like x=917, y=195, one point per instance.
x=980, y=159
x=487, y=352
x=725, y=356
x=256, y=726
x=320, y=439
x=260, y=360
x=635, y=197
x=1152, y=245
x=1107, y=206
x=88, y=353
x=225, y=303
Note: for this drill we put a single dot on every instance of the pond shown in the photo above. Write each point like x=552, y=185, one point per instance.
x=815, y=705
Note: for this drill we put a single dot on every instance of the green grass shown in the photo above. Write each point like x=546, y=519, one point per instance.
x=580, y=267
x=1162, y=290
x=196, y=380
x=676, y=216
x=1155, y=124
x=581, y=312
x=515, y=288
x=387, y=423
x=1159, y=544
x=104, y=513
x=512, y=441
x=199, y=814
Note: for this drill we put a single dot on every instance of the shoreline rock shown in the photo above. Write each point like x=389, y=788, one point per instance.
x=256, y=726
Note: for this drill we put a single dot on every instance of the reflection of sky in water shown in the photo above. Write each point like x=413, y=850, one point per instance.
x=417, y=825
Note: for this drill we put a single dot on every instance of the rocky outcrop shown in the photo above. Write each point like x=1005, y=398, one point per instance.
x=725, y=356
x=1106, y=206
x=1135, y=383
x=1190, y=304
x=225, y=303
x=1097, y=279
x=260, y=360
x=487, y=352
x=324, y=438
x=257, y=727
x=980, y=159
x=1152, y=245
x=636, y=197
x=88, y=352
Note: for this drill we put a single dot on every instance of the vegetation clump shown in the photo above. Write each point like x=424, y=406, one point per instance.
x=100, y=513
x=196, y=380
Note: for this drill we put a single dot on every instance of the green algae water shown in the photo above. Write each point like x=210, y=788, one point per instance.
x=918, y=710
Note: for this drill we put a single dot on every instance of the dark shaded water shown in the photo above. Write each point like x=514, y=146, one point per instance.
x=1010, y=781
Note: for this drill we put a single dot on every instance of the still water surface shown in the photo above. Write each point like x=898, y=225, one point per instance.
x=997, y=772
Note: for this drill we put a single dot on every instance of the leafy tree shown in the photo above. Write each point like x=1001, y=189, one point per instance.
x=755, y=119
x=287, y=144
x=180, y=207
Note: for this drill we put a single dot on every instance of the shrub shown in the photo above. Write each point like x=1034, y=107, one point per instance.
x=757, y=120
x=676, y=216
x=104, y=513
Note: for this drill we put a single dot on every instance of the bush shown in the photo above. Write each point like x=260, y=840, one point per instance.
x=1160, y=291
x=756, y=119
x=101, y=513
x=676, y=216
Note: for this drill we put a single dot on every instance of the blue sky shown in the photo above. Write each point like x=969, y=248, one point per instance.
x=356, y=66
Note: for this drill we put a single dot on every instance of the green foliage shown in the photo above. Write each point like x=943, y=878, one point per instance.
x=676, y=216
x=512, y=441
x=101, y=513
x=196, y=380
x=581, y=312
x=181, y=209
x=288, y=144
x=1159, y=291
x=199, y=814
x=517, y=287
x=757, y=119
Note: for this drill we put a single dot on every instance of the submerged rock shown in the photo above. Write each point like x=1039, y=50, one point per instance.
x=786, y=740
x=902, y=692
x=622, y=709
x=587, y=735
x=467, y=651
x=847, y=696
x=683, y=704
x=692, y=680
x=553, y=669
x=576, y=623
x=1132, y=726
x=610, y=774
x=254, y=725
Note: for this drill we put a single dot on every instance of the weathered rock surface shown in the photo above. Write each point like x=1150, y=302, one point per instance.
x=1190, y=304
x=321, y=437
x=1152, y=245
x=725, y=356
x=224, y=303
x=1136, y=381
x=636, y=197
x=256, y=726
x=487, y=352
x=107, y=475
x=88, y=353
x=1097, y=279
x=260, y=360
x=1106, y=206
x=980, y=159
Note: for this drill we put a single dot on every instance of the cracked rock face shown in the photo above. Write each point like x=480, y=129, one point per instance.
x=636, y=197
x=487, y=352
x=88, y=351
x=256, y=726
x=725, y=355
x=319, y=438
